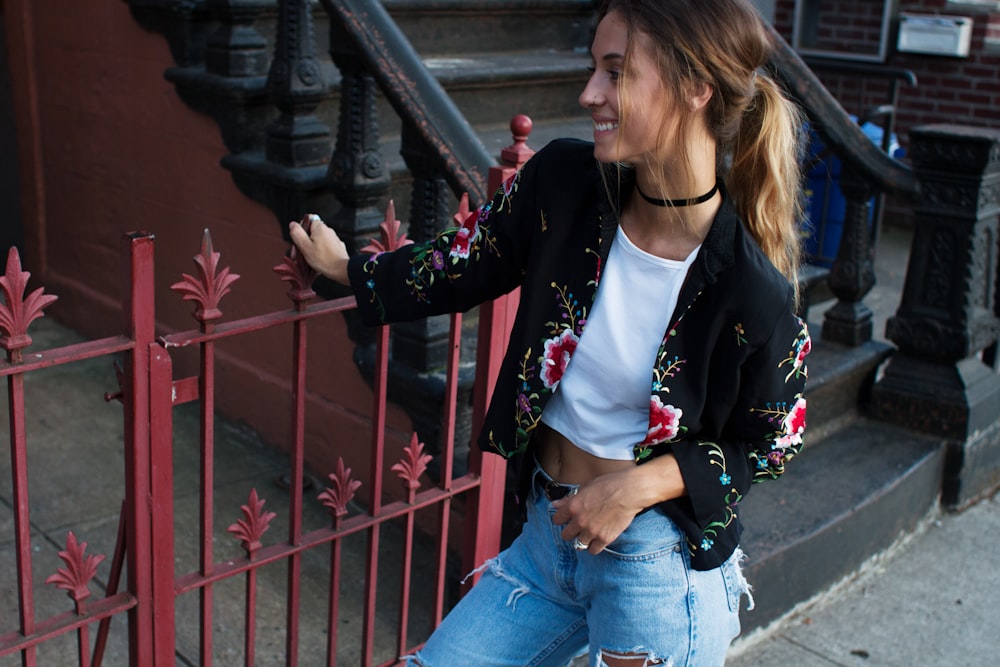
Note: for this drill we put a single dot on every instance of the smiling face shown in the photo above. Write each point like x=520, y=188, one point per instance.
x=631, y=120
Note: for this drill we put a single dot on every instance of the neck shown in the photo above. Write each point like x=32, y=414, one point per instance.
x=669, y=232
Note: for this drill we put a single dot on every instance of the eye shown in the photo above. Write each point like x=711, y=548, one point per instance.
x=612, y=74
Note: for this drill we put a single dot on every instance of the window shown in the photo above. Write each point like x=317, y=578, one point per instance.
x=850, y=29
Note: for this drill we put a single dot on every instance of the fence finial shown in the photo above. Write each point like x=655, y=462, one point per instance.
x=17, y=312
x=211, y=284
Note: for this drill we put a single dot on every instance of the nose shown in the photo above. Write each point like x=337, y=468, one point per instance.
x=590, y=96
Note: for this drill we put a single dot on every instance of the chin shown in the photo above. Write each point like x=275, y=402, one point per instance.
x=606, y=153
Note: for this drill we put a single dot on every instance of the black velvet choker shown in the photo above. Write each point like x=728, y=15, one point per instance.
x=678, y=202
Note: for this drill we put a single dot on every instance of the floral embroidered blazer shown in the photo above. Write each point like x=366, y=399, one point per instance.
x=726, y=388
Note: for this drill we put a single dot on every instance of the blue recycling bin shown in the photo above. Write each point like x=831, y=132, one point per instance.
x=825, y=206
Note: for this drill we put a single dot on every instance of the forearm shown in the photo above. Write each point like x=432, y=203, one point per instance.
x=657, y=481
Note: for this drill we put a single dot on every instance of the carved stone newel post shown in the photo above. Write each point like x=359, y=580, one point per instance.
x=938, y=382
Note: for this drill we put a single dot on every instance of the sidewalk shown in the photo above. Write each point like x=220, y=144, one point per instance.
x=929, y=601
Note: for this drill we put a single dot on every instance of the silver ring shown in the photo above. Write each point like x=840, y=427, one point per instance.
x=580, y=546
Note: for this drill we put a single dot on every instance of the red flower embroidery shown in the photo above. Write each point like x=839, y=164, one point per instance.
x=558, y=350
x=793, y=426
x=664, y=422
x=805, y=347
x=508, y=185
x=463, y=238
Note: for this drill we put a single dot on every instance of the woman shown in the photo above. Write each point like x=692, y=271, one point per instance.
x=655, y=368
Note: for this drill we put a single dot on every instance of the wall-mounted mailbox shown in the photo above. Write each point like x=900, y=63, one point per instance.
x=938, y=35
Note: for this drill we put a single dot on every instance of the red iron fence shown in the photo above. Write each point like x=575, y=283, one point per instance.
x=163, y=598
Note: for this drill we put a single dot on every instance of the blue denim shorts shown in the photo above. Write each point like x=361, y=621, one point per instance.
x=541, y=602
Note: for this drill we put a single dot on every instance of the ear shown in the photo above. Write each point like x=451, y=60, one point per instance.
x=698, y=95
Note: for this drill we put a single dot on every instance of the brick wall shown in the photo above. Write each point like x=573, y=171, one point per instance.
x=953, y=90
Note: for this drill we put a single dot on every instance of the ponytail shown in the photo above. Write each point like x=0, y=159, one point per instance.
x=764, y=178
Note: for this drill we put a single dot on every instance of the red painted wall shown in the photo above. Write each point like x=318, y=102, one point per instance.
x=107, y=146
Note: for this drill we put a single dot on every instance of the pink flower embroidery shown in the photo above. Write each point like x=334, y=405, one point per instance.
x=558, y=350
x=463, y=238
x=793, y=426
x=508, y=185
x=664, y=422
x=796, y=358
x=805, y=347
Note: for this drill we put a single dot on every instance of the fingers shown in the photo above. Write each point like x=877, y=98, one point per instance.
x=298, y=235
x=590, y=522
x=574, y=531
x=322, y=249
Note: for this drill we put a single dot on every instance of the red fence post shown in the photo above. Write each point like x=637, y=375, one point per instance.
x=161, y=432
x=495, y=321
x=139, y=325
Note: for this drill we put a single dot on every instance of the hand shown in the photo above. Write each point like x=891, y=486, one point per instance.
x=598, y=512
x=321, y=247
x=604, y=507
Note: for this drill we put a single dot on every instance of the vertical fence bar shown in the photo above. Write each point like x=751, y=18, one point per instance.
x=114, y=580
x=83, y=638
x=213, y=283
x=22, y=518
x=336, y=499
x=16, y=313
x=409, y=469
x=206, y=386
x=333, y=604
x=484, y=517
x=161, y=427
x=250, y=621
x=496, y=318
x=299, y=340
x=295, y=270
x=375, y=502
x=391, y=239
x=407, y=572
x=139, y=322
x=448, y=452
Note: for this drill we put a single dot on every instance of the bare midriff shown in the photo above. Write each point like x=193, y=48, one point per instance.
x=568, y=464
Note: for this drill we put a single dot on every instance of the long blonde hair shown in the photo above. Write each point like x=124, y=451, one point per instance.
x=757, y=129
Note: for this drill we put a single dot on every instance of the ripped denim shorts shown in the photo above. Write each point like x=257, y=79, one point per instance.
x=541, y=602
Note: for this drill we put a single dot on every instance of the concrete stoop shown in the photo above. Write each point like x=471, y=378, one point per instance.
x=852, y=496
x=857, y=486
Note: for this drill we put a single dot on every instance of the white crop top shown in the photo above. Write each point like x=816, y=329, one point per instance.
x=602, y=401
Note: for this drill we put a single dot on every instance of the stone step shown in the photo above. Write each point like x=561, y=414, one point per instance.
x=489, y=89
x=465, y=26
x=840, y=378
x=841, y=502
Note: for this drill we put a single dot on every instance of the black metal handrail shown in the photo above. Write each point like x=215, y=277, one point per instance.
x=843, y=136
x=415, y=94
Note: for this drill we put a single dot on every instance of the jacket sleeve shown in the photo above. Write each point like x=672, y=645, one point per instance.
x=764, y=430
x=483, y=258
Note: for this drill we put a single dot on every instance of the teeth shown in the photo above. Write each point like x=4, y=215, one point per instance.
x=604, y=127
